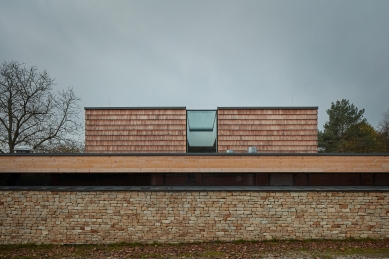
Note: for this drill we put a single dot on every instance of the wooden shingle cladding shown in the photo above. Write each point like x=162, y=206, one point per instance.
x=270, y=130
x=135, y=130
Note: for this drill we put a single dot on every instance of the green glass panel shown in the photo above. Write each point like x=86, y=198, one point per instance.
x=201, y=131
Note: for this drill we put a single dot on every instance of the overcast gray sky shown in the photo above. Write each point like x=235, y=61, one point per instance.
x=204, y=54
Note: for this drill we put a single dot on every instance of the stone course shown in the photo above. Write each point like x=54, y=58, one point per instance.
x=108, y=217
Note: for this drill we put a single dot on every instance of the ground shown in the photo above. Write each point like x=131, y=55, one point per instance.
x=239, y=250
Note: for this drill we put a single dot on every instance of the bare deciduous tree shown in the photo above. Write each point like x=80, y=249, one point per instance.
x=62, y=146
x=30, y=112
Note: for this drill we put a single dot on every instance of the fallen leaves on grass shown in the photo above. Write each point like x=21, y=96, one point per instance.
x=234, y=250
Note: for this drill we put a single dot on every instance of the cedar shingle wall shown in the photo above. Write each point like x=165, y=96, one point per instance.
x=135, y=131
x=270, y=130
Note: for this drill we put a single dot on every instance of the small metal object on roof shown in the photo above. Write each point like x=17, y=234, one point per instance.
x=252, y=150
x=23, y=149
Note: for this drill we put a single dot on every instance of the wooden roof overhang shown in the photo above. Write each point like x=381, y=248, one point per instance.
x=194, y=163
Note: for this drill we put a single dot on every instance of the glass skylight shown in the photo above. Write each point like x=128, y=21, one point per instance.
x=201, y=131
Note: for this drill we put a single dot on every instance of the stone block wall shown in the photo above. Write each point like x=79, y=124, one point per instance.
x=107, y=217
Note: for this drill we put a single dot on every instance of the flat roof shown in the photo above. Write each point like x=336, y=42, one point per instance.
x=137, y=108
x=200, y=188
x=195, y=154
x=218, y=108
x=271, y=108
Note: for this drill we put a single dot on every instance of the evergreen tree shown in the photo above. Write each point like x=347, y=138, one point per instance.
x=342, y=115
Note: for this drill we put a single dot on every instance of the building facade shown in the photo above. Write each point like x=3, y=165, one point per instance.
x=178, y=130
x=164, y=175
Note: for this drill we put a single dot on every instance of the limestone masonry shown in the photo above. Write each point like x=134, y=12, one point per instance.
x=107, y=217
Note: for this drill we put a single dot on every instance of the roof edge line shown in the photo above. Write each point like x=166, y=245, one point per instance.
x=218, y=108
x=270, y=108
x=136, y=108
